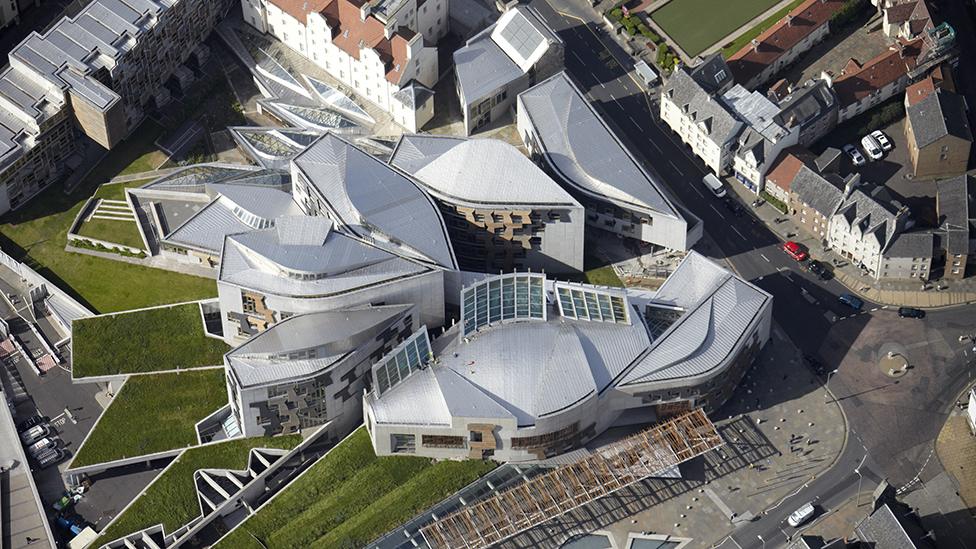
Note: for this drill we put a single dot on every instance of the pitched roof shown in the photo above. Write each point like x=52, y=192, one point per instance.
x=919, y=90
x=877, y=73
x=817, y=192
x=869, y=209
x=779, y=39
x=376, y=201
x=956, y=203
x=701, y=107
x=786, y=166
x=915, y=244
x=940, y=114
x=883, y=529
x=477, y=172
x=299, y=9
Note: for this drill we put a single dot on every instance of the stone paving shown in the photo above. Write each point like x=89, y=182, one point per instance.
x=956, y=448
x=831, y=55
x=780, y=429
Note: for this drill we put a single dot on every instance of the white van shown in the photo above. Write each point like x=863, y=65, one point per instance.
x=801, y=515
x=714, y=185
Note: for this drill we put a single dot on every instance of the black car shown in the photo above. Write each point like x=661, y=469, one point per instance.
x=732, y=206
x=819, y=269
x=30, y=422
x=910, y=312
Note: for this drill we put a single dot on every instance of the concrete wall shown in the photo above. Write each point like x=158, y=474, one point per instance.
x=905, y=267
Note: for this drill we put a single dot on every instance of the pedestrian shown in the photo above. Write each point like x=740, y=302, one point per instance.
x=31, y=540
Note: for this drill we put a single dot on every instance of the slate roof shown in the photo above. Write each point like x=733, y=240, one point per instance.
x=939, y=114
x=376, y=201
x=817, y=192
x=695, y=102
x=914, y=244
x=806, y=105
x=712, y=74
x=882, y=529
x=871, y=213
x=477, y=172
x=955, y=200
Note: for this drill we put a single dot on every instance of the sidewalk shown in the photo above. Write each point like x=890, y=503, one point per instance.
x=895, y=293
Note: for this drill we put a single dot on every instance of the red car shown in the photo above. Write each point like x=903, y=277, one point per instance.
x=795, y=251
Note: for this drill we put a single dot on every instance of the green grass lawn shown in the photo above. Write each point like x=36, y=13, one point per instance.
x=37, y=234
x=350, y=497
x=115, y=231
x=153, y=340
x=746, y=37
x=697, y=24
x=604, y=276
x=172, y=500
x=153, y=413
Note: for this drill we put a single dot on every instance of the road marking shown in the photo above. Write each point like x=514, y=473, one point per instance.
x=767, y=259
x=612, y=97
x=677, y=169
x=659, y=151
x=875, y=309
x=634, y=121
x=695, y=188
x=737, y=232
x=578, y=58
x=712, y=206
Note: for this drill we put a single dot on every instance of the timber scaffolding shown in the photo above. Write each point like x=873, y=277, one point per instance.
x=552, y=494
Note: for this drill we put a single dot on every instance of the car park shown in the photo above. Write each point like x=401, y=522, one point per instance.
x=851, y=301
x=911, y=312
x=51, y=457
x=34, y=434
x=795, y=251
x=856, y=157
x=39, y=447
x=882, y=139
x=801, y=515
x=872, y=147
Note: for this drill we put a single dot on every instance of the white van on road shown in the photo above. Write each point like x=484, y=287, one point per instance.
x=801, y=515
x=714, y=185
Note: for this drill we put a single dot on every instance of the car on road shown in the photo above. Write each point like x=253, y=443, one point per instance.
x=817, y=268
x=795, y=251
x=882, y=139
x=801, y=515
x=30, y=422
x=911, y=312
x=714, y=184
x=732, y=206
x=856, y=157
x=872, y=147
x=851, y=301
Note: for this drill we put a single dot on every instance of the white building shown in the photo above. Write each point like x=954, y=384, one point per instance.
x=502, y=212
x=569, y=138
x=310, y=369
x=862, y=227
x=501, y=62
x=387, y=64
x=536, y=368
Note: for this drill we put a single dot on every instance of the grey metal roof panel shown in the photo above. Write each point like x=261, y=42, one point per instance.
x=477, y=172
x=264, y=202
x=582, y=148
x=481, y=67
x=206, y=229
x=418, y=400
x=333, y=334
x=303, y=245
x=373, y=200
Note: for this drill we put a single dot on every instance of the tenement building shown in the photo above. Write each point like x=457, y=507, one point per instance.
x=565, y=134
x=502, y=211
x=101, y=71
x=368, y=46
x=537, y=367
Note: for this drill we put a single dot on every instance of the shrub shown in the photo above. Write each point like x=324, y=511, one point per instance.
x=848, y=13
x=773, y=201
x=646, y=32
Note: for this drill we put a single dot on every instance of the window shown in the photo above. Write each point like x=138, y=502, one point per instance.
x=404, y=444
x=475, y=436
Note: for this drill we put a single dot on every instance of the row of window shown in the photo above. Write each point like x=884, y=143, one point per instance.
x=507, y=297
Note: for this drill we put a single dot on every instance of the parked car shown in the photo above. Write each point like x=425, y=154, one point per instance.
x=795, y=251
x=910, y=312
x=46, y=443
x=882, y=139
x=34, y=434
x=801, y=515
x=851, y=301
x=30, y=422
x=732, y=206
x=714, y=185
x=51, y=457
x=856, y=157
x=872, y=147
x=815, y=267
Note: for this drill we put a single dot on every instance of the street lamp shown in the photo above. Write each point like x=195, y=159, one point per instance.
x=857, y=471
x=827, y=385
x=762, y=540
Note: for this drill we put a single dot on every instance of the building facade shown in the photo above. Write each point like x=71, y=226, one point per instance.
x=861, y=87
x=938, y=135
x=311, y=369
x=387, y=64
x=502, y=61
x=502, y=212
x=513, y=382
x=571, y=140
x=103, y=71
